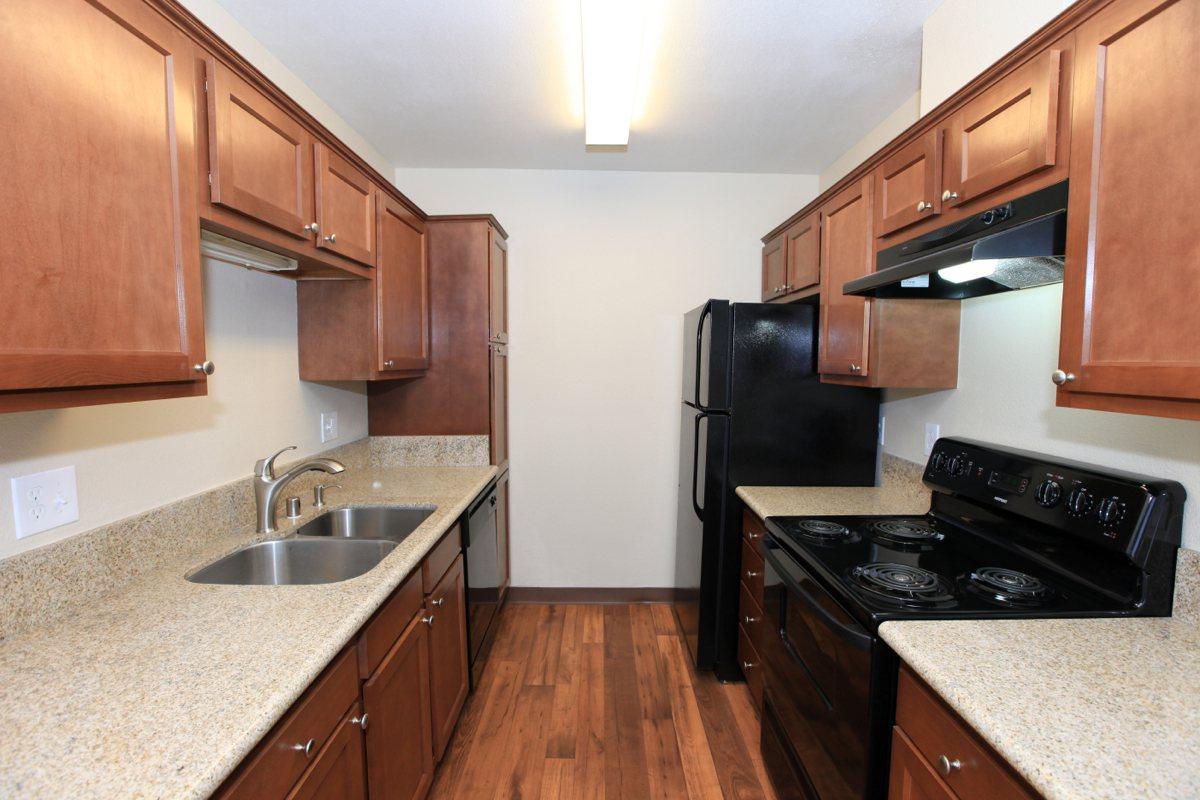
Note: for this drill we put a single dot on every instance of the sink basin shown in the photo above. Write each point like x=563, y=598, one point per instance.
x=393, y=523
x=294, y=562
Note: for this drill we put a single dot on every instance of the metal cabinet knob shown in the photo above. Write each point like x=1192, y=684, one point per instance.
x=947, y=766
x=307, y=747
x=856, y=368
x=748, y=665
x=923, y=206
x=428, y=620
x=312, y=227
x=361, y=721
x=750, y=620
x=389, y=364
x=752, y=536
x=752, y=574
x=1060, y=377
x=205, y=367
x=331, y=238
x=949, y=195
x=441, y=601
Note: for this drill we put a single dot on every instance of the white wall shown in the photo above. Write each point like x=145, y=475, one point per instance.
x=892, y=126
x=135, y=456
x=1009, y=342
x=602, y=267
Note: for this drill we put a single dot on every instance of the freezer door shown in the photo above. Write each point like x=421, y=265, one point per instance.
x=703, y=449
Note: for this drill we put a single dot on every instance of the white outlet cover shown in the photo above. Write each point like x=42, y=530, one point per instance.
x=329, y=426
x=44, y=500
x=933, y=432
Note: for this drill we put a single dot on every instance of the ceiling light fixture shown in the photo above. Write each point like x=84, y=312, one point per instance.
x=613, y=39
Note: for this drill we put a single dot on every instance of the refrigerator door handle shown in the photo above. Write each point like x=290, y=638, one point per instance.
x=695, y=464
x=705, y=314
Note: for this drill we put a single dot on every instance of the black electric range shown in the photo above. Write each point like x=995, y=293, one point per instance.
x=1009, y=534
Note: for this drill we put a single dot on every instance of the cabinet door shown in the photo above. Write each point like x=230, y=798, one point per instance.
x=497, y=287
x=337, y=773
x=908, y=185
x=803, y=250
x=402, y=288
x=774, y=268
x=1129, y=324
x=399, y=736
x=846, y=253
x=345, y=207
x=260, y=161
x=911, y=778
x=449, y=678
x=1006, y=133
x=499, y=402
x=100, y=261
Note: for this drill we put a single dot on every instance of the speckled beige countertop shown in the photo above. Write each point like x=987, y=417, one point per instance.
x=1084, y=709
x=900, y=492
x=160, y=688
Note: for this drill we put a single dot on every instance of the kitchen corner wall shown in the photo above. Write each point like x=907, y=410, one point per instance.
x=1009, y=342
x=133, y=457
x=603, y=266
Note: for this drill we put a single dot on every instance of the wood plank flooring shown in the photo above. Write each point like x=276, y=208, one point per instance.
x=600, y=701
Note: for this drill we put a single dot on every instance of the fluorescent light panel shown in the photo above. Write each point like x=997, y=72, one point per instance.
x=613, y=36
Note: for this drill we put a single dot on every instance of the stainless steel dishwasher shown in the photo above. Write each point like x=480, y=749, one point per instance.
x=483, y=566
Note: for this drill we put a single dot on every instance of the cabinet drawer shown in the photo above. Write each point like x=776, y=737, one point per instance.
x=753, y=528
x=440, y=558
x=751, y=665
x=937, y=733
x=911, y=777
x=750, y=616
x=383, y=629
x=282, y=757
x=752, y=570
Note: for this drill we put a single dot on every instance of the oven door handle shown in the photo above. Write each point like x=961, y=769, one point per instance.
x=854, y=636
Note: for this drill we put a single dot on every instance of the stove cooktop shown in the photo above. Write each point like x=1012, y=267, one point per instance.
x=911, y=567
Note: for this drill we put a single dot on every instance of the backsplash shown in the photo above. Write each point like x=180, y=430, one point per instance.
x=430, y=451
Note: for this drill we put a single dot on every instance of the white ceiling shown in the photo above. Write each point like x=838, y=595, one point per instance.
x=749, y=86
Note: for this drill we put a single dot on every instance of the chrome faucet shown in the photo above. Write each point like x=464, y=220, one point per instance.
x=267, y=487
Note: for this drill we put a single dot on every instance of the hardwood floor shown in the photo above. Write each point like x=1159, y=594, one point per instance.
x=600, y=701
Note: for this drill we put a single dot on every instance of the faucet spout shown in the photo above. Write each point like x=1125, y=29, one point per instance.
x=268, y=487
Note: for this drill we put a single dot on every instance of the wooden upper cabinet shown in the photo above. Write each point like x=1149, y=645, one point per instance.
x=847, y=252
x=399, y=736
x=1129, y=325
x=802, y=251
x=908, y=185
x=1008, y=131
x=100, y=261
x=260, y=157
x=345, y=207
x=774, y=268
x=402, y=288
x=497, y=286
x=449, y=676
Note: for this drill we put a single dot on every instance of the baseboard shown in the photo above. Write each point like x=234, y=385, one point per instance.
x=590, y=595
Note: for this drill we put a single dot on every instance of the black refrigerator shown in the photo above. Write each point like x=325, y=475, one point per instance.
x=754, y=413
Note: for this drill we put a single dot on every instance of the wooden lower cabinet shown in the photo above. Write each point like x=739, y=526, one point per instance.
x=337, y=772
x=399, y=737
x=751, y=619
x=449, y=677
x=936, y=755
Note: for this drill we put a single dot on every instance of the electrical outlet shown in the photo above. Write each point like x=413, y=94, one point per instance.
x=933, y=432
x=44, y=500
x=329, y=426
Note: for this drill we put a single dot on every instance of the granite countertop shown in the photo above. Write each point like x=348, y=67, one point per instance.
x=1084, y=709
x=900, y=492
x=161, y=688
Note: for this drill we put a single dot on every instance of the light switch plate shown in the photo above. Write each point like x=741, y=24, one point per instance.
x=329, y=426
x=44, y=500
x=933, y=432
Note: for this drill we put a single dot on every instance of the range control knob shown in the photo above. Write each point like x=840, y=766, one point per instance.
x=958, y=465
x=1111, y=510
x=1080, y=502
x=938, y=462
x=1048, y=493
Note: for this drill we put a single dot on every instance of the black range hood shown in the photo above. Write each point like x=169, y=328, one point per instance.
x=1017, y=245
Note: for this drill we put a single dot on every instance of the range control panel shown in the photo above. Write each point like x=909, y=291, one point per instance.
x=1112, y=509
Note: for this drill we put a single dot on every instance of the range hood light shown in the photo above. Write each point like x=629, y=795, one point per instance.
x=970, y=271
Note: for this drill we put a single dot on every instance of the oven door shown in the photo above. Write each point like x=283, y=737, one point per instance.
x=817, y=688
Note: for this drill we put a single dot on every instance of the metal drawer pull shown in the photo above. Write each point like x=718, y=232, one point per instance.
x=441, y=601
x=752, y=574
x=361, y=721
x=947, y=766
x=307, y=747
x=748, y=665
x=751, y=620
x=428, y=620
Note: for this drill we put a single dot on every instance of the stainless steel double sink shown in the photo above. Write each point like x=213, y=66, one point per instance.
x=336, y=546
